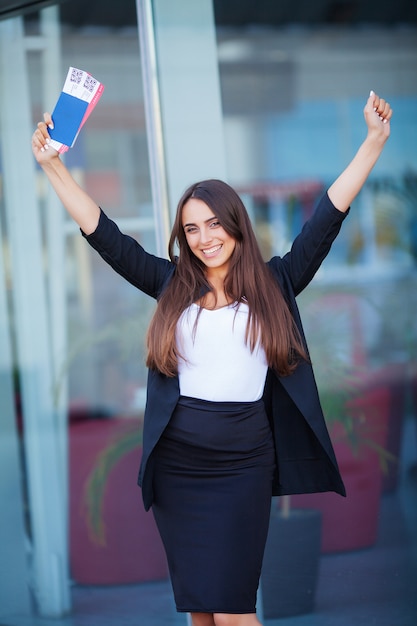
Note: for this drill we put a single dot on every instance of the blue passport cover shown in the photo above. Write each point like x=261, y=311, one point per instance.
x=67, y=117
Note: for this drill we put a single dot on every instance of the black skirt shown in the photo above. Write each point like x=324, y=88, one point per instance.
x=214, y=468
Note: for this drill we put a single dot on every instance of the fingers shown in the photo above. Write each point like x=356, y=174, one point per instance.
x=380, y=106
x=48, y=120
x=386, y=113
x=41, y=138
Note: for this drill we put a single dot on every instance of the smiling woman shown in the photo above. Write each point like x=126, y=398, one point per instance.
x=222, y=431
x=233, y=275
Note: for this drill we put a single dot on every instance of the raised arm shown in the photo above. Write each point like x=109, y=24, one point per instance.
x=77, y=202
x=346, y=187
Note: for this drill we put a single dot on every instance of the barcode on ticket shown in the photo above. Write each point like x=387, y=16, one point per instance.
x=90, y=83
x=76, y=75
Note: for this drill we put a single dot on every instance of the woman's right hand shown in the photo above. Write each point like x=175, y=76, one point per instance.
x=41, y=148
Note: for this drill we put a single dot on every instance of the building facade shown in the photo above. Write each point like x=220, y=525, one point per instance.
x=270, y=99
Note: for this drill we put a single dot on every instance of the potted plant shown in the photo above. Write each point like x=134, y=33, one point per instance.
x=112, y=539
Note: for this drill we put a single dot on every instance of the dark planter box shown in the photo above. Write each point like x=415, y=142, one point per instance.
x=125, y=547
x=291, y=563
x=352, y=523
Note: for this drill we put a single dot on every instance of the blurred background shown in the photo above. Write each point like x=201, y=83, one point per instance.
x=268, y=96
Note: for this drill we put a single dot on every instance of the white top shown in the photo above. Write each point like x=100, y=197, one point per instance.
x=218, y=365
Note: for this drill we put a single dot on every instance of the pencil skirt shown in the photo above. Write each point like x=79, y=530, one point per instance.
x=213, y=474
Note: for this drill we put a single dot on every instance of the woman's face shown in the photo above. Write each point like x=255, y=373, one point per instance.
x=206, y=237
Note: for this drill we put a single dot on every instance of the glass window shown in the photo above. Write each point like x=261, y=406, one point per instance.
x=103, y=372
x=106, y=316
x=293, y=95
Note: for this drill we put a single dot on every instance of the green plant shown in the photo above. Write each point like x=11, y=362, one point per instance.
x=95, y=486
x=337, y=354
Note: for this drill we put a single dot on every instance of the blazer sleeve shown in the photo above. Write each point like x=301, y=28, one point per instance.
x=311, y=246
x=128, y=258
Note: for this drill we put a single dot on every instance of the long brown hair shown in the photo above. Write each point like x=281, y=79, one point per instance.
x=248, y=279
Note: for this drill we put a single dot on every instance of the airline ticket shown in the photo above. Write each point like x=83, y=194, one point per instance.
x=79, y=96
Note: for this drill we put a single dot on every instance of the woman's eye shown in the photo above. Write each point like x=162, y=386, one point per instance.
x=191, y=229
x=214, y=224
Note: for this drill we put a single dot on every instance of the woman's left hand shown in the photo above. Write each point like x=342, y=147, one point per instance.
x=377, y=114
x=346, y=187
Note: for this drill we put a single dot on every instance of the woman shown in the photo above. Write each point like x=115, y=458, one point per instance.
x=232, y=414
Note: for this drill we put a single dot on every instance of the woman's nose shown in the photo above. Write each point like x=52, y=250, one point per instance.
x=205, y=235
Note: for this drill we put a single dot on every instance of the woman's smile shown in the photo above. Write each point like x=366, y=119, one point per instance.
x=212, y=251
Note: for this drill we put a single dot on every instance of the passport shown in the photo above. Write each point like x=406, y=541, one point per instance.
x=78, y=98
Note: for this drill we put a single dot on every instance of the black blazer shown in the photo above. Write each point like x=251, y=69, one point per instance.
x=305, y=458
